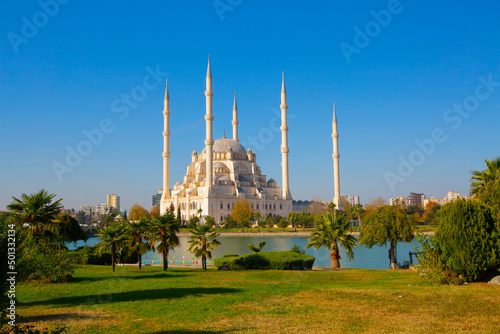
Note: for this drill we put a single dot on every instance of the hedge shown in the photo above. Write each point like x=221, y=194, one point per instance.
x=284, y=260
x=89, y=255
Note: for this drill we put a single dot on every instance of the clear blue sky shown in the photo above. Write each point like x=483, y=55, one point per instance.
x=397, y=88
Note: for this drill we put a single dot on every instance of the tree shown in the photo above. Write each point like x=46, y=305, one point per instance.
x=386, y=224
x=357, y=211
x=332, y=231
x=163, y=230
x=244, y=221
x=209, y=221
x=36, y=209
x=155, y=210
x=193, y=222
x=292, y=218
x=242, y=212
x=66, y=229
x=490, y=196
x=262, y=223
x=480, y=179
x=317, y=206
x=229, y=222
x=467, y=239
x=257, y=216
x=283, y=223
x=269, y=222
x=202, y=240
x=110, y=237
x=257, y=249
x=136, y=232
x=374, y=204
x=137, y=212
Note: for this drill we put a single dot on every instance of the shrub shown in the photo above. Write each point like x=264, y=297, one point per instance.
x=284, y=260
x=89, y=255
x=465, y=245
x=230, y=255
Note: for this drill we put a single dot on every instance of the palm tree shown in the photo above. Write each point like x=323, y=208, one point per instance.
x=110, y=237
x=203, y=240
x=257, y=216
x=479, y=179
x=163, y=229
x=357, y=210
x=292, y=218
x=330, y=233
x=136, y=232
x=268, y=221
x=37, y=210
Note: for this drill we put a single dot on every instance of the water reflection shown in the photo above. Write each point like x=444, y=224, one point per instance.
x=374, y=258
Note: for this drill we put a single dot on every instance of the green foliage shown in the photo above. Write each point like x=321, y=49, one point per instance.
x=66, y=229
x=298, y=249
x=28, y=329
x=193, y=222
x=466, y=240
x=490, y=195
x=230, y=255
x=284, y=260
x=283, y=223
x=480, y=179
x=111, y=238
x=162, y=230
x=229, y=222
x=257, y=249
x=331, y=232
x=91, y=255
x=209, y=221
x=203, y=239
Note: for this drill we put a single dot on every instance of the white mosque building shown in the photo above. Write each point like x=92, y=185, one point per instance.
x=224, y=171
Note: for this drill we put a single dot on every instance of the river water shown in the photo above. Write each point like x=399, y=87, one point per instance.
x=366, y=258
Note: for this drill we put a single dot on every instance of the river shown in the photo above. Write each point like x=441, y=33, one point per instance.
x=366, y=258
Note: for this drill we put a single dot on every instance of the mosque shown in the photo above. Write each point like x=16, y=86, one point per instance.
x=224, y=171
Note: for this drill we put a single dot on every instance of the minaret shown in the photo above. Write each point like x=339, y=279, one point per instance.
x=235, y=119
x=166, y=146
x=209, y=142
x=339, y=205
x=284, y=143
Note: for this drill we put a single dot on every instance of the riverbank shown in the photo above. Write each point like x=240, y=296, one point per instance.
x=279, y=234
x=196, y=301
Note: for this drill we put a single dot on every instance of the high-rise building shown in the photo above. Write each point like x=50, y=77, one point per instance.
x=156, y=198
x=415, y=199
x=114, y=201
x=224, y=171
x=351, y=199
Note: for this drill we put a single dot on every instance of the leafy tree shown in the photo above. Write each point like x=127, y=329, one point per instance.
x=414, y=209
x=269, y=222
x=193, y=222
x=155, y=210
x=37, y=210
x=137, y=212
x=283, y=223
x=257, y=249
x=67, y=229
x=80, y=217
x=242, y=212
x=262, y=223
x=490, y=196
x=229, y=222
x=386, y=224
x=163, y=230
x=135, y=234
x=203, y=239
x=305, y=220
x=374, y=204
x=209, y=221
x=179, y=216
x=467, y=240
x=298, y=249
x=110, y=238
x=292, y=218
x=480, y=179
x=332, y=231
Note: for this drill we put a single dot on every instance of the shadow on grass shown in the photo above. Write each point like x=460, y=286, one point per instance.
x=116, y=297
x=140, y=276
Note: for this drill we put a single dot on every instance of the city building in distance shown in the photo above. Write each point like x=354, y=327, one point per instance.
x=450, y=196
x=224, y=171
x=113, y=200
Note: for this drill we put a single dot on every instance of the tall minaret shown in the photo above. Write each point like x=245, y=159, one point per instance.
x=166, y=145
x=235, y=119
x=339, y=205
x=284, y=142
x=209, y=142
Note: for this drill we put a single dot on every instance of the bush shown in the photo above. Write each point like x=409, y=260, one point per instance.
x=89, y=255
x=230, y=255
x=466, y=243
x=284, y=260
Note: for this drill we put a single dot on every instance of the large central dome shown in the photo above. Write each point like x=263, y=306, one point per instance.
x=225, y=145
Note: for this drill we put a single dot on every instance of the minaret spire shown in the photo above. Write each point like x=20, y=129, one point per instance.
x=235, y=119
x=336, y=173
x=209, y=142
x=284, y=142
x=166, y=149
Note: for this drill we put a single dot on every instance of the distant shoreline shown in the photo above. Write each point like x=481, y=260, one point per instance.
x=279, y=234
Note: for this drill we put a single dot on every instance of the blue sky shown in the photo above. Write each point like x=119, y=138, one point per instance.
x=68, y=73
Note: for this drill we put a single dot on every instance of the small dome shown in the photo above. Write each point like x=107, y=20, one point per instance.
x=194, y=152
x=271, y=181
x=249, y=150
x=179, y=183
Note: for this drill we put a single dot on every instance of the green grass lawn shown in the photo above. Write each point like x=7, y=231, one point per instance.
x=193, y=301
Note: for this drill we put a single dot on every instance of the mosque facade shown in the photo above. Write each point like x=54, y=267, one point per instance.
x=224, y=171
